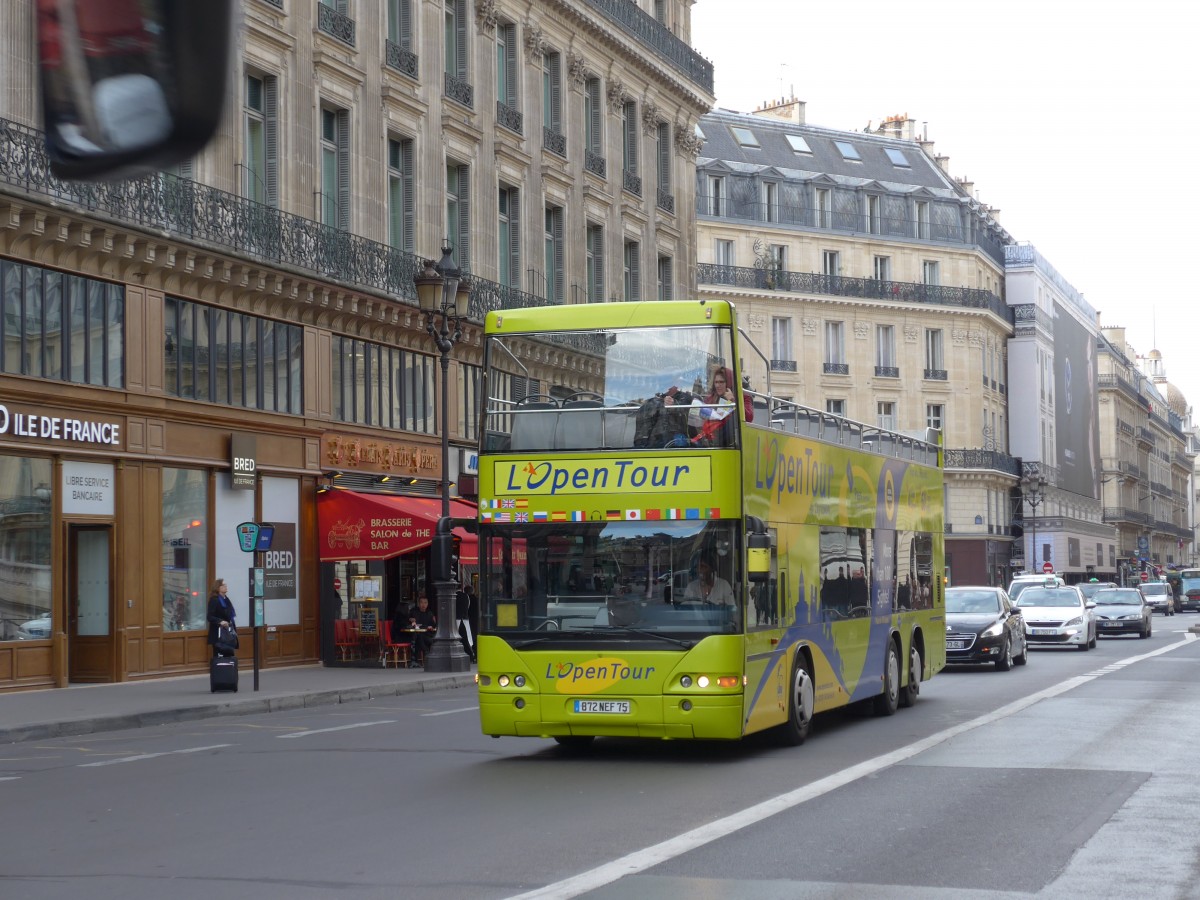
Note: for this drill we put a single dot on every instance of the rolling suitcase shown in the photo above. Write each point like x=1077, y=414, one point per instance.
x=223, y=674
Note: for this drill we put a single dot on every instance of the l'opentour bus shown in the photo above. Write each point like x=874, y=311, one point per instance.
x=1189, y=588
x=604, y=509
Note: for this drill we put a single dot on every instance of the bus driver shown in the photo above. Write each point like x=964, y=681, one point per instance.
x=709, y=587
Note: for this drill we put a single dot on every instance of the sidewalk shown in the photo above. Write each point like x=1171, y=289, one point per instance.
x=85, y=709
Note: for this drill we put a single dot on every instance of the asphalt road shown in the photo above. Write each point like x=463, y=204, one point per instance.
x=1072, y=776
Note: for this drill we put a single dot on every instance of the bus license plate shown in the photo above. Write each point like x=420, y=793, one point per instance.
x=620, y=707
x=955, y=645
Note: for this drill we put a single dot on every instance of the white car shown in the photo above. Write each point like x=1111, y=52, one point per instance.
x=1058, y=615
x=1020, y=582
x=1158, y=596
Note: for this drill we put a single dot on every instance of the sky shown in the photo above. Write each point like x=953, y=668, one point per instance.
x=1072, y=117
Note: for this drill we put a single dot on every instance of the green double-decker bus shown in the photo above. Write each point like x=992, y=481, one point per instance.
x=666, y=553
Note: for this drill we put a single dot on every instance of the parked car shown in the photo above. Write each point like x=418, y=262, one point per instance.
x=1123, y=611
x=1158, y=595
x=982, y=625
x=1020, y=582
x=1058, y=615
x=35, y=629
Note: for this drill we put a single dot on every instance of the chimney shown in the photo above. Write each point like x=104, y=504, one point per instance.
x=787, y=109
x=967, y=186
x=899, y=126
x=943, y=162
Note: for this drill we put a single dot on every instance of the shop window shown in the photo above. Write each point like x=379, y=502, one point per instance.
x=184, y=549
x=25, y=512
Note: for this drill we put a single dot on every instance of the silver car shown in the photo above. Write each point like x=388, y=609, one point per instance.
x=1058, y=616
x=1158, y=595
x=1123, y=611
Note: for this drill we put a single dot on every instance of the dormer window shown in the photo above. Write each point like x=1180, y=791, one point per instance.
x=848, y=150
x=897, y=157
x=744, y=136
x=799, y=144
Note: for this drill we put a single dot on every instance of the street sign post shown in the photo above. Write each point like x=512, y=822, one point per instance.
x=1145, y=576
x=256, y=537
x=1048, y=568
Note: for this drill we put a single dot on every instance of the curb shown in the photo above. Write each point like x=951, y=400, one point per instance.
x=250, y=706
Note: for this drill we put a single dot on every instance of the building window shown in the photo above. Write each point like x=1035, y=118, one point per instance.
x=835, y=350
x=798, y=143
x=219, y=356
x=848, y=150
x=508, y=251
x=660, y=11
x=593, y=110
x=666, y=278
x=383, y=386
x=552, y=91
x=770, y=201
x=930, y=272
x=716, y=195
x=335, y=168
x=629, y=137
x=831, y=263
x=777, y=257
x=506, y=64
x=885, y=347
x=458, y=211
x=934, y=415
x=185, y=520
x=456, y=39
x=823, y=206
x=744, y=136
x=261, y=162
x=874, y=214
x=554, y=254
x=723, y=253
x=933, y=350
x=781, y=338
x=469, y=409
x=885, y=415
x=835, y=407
x=922, y=222
x=883, y=268
x=400, y=194
x=633, y=287
x=595, y=263
x=399, y=23
x=664, y=157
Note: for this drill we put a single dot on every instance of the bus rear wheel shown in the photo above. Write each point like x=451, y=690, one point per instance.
x=908, y=694
x=801, y=704
x=888, y=702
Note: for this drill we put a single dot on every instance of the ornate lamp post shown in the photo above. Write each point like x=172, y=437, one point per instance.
x=439, y=288
x=1034, y=487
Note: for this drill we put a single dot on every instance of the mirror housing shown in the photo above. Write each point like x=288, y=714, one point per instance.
x=758, y=551
x=130, y=86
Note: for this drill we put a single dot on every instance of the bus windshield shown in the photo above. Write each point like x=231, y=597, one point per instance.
x=638, y=388
x=610, y=580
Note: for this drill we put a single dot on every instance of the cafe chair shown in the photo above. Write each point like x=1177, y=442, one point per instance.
x=398, y=651
x=345, y=639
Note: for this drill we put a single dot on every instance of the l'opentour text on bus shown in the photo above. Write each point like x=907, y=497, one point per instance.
x=656, y=566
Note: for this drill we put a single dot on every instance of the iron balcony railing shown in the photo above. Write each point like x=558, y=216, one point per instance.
x=510, y=118
x=1125, y=514
x=595, y=163
x=459, y=91
x=1145, y=435
x=937, y=374
x=197, y=213
x=554, y=141
x=658, y=38
x=887, y=371
x=843, y=286
x=400, y=58
x=335, y=24
x=783, y=365
x=631, y=182
x=666, y=200
x=982, y=459
x=836, y=368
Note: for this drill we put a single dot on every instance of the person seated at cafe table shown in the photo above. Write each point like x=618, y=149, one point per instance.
x=422, y=617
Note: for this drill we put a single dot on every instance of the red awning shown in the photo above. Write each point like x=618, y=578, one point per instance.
x=351, y=525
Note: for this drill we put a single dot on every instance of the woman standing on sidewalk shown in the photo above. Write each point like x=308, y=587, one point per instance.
x=220, y=612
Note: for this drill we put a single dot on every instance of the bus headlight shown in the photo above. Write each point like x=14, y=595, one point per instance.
x=502, y=681
x=519, y=681
x=685, y=681
x=702, y=681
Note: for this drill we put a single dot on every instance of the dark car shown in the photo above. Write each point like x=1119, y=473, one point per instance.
x=1089, y=588
x=1122, y=611
x=982, y=625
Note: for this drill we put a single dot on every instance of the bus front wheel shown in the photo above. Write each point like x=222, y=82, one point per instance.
x=908, y=695
x=800, y=705
x=574, y=743
x=888, y=702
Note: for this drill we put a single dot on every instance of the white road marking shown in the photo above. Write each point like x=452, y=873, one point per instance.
x=10, y=777
x=296, y=734
x=141, y=756
x=449, y=712
x=649, y=857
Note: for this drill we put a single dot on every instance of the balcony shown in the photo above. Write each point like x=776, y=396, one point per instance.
x=1117, y=514
x=400, y=58
x=554, y=142
x=595, y=163
x=631, y=182
x=658, y=38
x=185, y=211
x=993, y=460
x=507, y=117
x=459, y=90
x=1145, y=436
x=831, y=368
x=666, y=201
x=783, y=365
x=843, y=286
x=335, y=24
x=887, y=371
x=936, y=375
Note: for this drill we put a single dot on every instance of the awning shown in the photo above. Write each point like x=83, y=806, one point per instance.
x=353, y=525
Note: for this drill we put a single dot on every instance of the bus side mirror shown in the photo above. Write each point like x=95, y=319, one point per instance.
x=758, y=558
x=130, y=86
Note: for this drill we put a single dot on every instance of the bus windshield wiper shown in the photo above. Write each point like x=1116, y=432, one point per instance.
x=686, y=645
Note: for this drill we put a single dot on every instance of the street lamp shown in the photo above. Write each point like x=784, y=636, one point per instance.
x=1034, y=487
x=442, y=292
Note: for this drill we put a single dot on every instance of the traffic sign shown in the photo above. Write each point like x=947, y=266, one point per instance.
x=1047, y=567
x=1145, y=576
x=337, y=584
x=247, y=534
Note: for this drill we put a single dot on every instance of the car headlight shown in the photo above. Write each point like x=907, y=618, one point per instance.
x=1078, y=620
x=993, y=630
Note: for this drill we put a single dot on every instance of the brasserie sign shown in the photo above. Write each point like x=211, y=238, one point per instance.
x=58, y=428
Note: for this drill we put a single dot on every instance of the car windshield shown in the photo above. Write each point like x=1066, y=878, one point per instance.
x=1154, y=589
x=965, y=600
x=1117, y=598
x=1037, y=596
x=1015, y=589
x=1092, y=588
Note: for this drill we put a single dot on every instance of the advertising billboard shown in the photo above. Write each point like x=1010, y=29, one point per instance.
x=1075, y=407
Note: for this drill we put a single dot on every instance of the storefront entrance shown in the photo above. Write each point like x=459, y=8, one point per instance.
x=89, y=603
